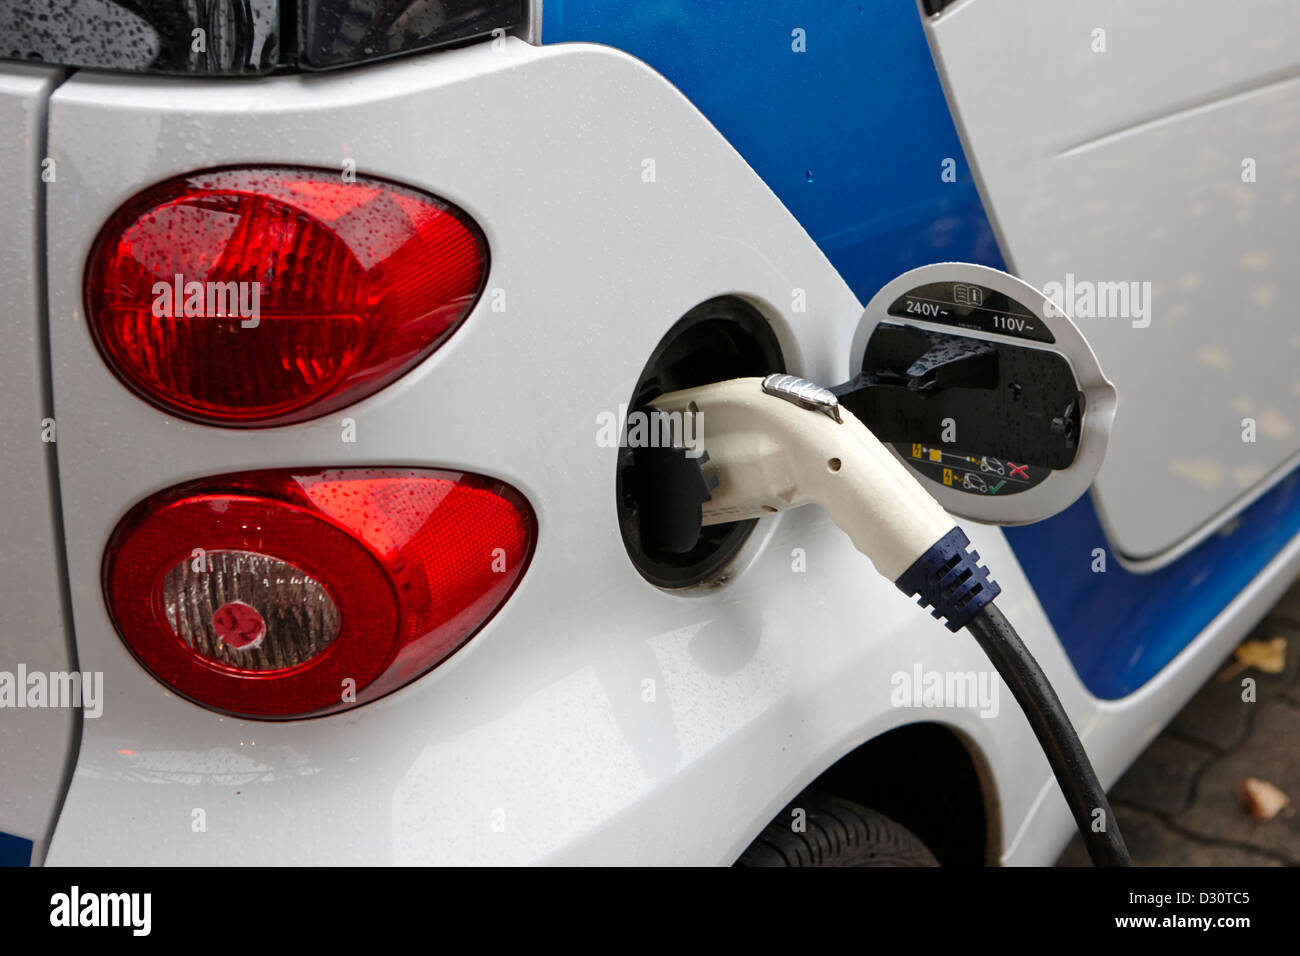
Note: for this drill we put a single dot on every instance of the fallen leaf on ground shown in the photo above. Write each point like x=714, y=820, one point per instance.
x=1267, y=656
x=1261, y=799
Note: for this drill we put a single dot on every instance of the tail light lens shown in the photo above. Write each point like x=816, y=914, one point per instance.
x=254, y=297
x=283, y=593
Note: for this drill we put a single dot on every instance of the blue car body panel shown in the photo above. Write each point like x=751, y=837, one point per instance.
x=1120, y=628
x=854, y=134
x=15, y=850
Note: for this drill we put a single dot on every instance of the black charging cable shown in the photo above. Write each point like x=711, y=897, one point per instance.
x=1069, y=761
x=950, y=580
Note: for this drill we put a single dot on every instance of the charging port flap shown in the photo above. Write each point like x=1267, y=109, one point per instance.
x=981, y=386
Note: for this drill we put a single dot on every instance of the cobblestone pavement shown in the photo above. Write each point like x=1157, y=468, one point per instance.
x=1176, y=804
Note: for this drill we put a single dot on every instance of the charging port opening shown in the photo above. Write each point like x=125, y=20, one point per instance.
x=719, y=339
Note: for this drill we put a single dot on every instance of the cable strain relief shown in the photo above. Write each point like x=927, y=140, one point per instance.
x=950, y=581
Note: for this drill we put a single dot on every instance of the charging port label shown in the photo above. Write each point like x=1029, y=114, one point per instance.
x=973, y=474
x=969, y=306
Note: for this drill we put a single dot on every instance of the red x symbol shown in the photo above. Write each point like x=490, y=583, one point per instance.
x=1018, y=470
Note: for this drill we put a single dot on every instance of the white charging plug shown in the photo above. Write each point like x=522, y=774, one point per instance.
x=780, y=442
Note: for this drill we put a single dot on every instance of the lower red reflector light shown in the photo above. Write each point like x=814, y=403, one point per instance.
x=293, y=593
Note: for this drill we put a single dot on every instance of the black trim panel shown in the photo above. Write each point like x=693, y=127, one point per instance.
x=240, y=37
x=204, y=37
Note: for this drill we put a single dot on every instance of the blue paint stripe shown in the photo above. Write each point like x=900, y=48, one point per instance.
x=15, y=850
x=1120, y=628
x=851, y=134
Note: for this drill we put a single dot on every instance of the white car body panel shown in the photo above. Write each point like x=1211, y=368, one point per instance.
x=34, y=635
x=1127, y=166
x=535, y=742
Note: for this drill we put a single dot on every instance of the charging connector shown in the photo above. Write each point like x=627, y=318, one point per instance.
x=781, y=442
x=778, y=443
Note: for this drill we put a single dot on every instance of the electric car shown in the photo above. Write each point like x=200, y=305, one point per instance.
x=327, y=324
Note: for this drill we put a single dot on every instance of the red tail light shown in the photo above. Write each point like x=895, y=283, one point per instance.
x=292, y=593
x=253, y=297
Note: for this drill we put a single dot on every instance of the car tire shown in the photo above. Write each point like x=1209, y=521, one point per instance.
x=835, y=832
